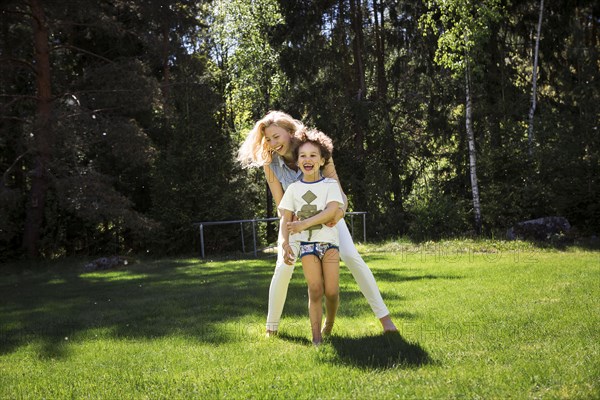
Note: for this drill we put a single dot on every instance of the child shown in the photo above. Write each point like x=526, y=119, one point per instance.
x=315, y=200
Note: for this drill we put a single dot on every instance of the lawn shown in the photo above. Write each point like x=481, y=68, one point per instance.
x=489, y=320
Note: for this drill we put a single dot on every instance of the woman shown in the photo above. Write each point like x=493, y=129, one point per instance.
x=270, y=144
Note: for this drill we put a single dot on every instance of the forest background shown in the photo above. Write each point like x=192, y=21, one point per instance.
x=120, y=120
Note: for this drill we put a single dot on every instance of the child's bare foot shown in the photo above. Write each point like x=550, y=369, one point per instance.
x=270, y=333
x=317, y=338
x=388, y=324
x=327, y=328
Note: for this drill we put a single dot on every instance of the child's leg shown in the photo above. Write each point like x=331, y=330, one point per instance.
x=313, y=272
x=331, y=277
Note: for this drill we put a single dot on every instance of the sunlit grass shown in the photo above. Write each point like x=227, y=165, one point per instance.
x=477, y=320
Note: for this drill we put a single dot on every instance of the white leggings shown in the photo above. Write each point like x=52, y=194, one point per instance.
x=348, y=253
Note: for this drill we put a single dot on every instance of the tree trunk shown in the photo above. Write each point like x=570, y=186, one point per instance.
x=530, y=135
x=43, y=134
x=472, y=152
x=394, y=162
x=360, y=115
x=165, y=59
x=357, y=46
x=380, y=50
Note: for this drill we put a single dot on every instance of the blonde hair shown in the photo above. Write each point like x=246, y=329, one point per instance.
x=255, y=151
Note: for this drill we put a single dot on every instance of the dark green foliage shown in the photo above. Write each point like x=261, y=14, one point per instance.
x=151, y=100
x=126, y=140
x=437, y=216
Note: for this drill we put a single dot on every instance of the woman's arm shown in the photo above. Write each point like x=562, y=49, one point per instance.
x=324, y=216
x=330, y=172
x=274, y=184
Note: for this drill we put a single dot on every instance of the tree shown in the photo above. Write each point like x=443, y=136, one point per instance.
x=464, y=28
x=43, y=133
x=147, y=101
x=248, y=65
x=534, y=69
x=84, y=154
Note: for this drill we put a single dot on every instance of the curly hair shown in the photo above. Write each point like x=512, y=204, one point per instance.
x=316, y=137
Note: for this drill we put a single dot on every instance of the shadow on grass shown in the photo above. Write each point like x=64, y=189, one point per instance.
x=389, y=350
x=391, y=275
x=55, y=304
x=294, y=339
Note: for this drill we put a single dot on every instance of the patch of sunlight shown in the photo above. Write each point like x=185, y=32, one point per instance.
x=95, y=333
x=56, y=281
x=11, y=326
x=239, y=330
x=194, y=260
x=178, y=283
x=110, y=276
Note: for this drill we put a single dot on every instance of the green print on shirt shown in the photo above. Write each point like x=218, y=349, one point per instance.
x=308, y=210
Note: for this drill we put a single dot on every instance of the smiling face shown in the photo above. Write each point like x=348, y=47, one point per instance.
x=278, y=140
x=310, y=161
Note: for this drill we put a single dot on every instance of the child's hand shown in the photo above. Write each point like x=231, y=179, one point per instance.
x=295, y=227
x=288, y=254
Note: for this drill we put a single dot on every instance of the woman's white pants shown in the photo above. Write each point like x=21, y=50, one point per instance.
x=348, y=253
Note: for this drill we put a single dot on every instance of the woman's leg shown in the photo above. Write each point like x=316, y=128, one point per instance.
x=363, y=276
x=313, y=272
x=278, y=289
x=331, y=277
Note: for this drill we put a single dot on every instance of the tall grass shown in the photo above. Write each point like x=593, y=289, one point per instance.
x=476, y=320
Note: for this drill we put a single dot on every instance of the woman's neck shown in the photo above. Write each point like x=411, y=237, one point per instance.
x=288, y=159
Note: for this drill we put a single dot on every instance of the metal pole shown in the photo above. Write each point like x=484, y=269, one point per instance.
x=242, y=231
x=254, y=236
x=202, y=239
x=352, y=225
x=364, y=228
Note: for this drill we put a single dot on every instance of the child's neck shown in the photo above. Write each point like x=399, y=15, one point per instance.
x=312, y=177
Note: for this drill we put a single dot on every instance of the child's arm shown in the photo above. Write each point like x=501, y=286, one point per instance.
x=324, y=216
x=284, y=236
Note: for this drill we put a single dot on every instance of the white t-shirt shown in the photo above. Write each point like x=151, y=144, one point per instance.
x=306, y=199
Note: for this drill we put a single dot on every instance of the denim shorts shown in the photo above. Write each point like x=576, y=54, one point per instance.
x=316, y=248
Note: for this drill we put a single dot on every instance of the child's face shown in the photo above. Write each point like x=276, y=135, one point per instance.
x=310, y=160
x=278, y=139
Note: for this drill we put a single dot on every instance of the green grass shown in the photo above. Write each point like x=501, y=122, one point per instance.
x=489, y=320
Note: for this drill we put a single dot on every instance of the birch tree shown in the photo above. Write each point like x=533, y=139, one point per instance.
x=463, y=27
x=530, y=134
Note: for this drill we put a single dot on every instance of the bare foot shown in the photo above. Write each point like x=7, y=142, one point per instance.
x=327, y=328
x=270, y=333
x=388, y=324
